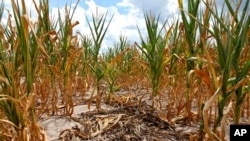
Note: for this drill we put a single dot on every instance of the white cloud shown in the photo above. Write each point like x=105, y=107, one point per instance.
x=121, y=24
x=125, y=3
x=166, y=8
x=155, y=6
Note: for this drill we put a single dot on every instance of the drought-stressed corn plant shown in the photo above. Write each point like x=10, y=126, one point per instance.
x=230, y=34
x=68, y=52
x=87, y=54
x=116, y=71
x=98, y=31
x=189, y=31
x=18, y=72
x=154, y=49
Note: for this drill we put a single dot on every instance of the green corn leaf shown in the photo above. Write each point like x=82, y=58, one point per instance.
x=244, y=71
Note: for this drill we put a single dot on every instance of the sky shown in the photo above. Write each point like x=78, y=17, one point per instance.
x=128, y=14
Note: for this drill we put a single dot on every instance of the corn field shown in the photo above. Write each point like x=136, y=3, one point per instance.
x=192, y=71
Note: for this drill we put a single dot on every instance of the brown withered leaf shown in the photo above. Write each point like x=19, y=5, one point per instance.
x=204, y=76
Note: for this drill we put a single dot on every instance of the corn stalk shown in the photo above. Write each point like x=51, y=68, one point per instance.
x=154, y=50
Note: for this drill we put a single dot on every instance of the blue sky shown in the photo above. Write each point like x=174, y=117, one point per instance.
x=82, y=3
x=104, y=3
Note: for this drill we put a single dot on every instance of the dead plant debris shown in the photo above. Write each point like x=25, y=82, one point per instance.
x=137, y=122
